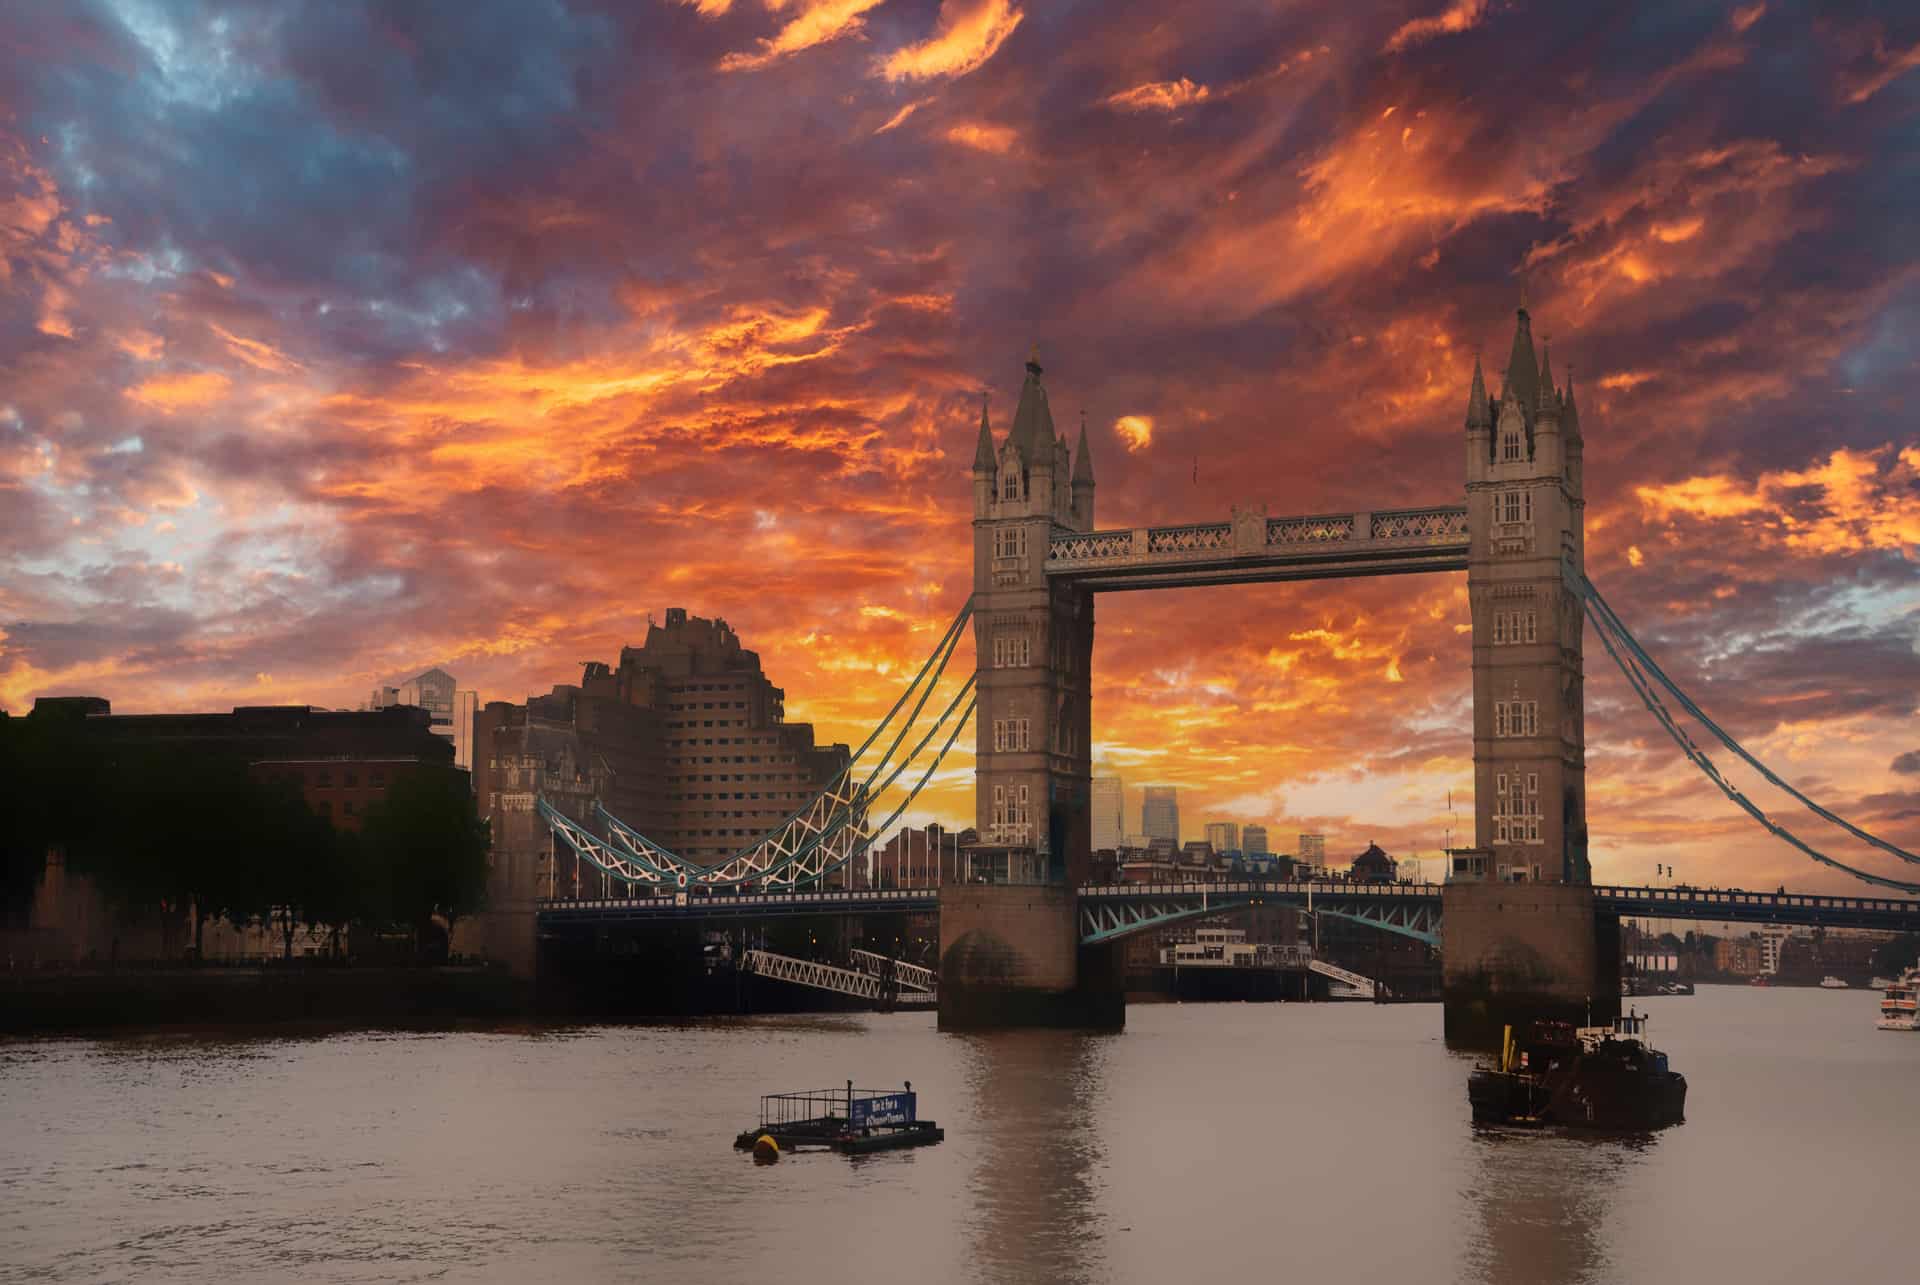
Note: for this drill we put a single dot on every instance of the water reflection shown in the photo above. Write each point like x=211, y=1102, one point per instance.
x=1538, y=1204
x=1035, y=1190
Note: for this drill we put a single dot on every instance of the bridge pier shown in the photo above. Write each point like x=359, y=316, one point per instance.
x=1010, y=955
x=1515, y=952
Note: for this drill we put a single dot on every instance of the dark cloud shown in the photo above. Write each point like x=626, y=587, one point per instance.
x=1907, y=764
x=339, y=340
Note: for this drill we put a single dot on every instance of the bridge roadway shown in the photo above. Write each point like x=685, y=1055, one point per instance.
x=1112, y=911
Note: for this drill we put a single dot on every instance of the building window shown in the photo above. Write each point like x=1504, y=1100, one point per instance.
x=1530, y=626
x=1513, y=448
x=1516, y=506
x=1009, y=734
x=1010, y=542
x=1010, y=485
x=1012, y=651
x=1517, y=809
x=1499, y=628
x=1516, y=718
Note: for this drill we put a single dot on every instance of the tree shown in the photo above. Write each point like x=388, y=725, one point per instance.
x=424, y=850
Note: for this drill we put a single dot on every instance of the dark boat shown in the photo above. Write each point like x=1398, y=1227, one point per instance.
x=851, y=1121
x=1593, y=1077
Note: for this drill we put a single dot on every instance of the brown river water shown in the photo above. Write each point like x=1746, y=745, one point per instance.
x=1219, y=1142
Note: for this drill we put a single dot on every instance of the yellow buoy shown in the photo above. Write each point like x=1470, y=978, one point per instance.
x=765, y=1149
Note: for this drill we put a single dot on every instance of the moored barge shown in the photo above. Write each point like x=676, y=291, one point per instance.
x=851, y=1121
x=1590, y=1077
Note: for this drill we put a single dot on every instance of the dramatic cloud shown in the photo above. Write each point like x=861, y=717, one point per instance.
x=1159, y=95
x=970, y=32
x=1461, y=15
x=338, y=341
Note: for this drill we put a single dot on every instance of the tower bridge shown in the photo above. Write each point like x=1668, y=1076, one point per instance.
x=1039, y=562
x=1524, y=932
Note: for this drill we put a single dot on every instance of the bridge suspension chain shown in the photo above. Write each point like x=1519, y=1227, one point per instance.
x=1636, y=665
x=819, y=837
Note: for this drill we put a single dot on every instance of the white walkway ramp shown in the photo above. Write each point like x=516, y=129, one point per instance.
x=829, y=977
x=1346, y=984
x=910, y=976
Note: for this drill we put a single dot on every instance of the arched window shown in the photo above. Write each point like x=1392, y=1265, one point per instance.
x=1010, y=485
x=1513, y=447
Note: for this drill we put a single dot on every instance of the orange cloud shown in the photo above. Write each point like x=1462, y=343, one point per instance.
x=969, y=33
x=982, y=137
x=169, y=393
x=1888, y=67
x=1159, y=95
x=1848, y=504
x=818, y=22
x=1461, y=15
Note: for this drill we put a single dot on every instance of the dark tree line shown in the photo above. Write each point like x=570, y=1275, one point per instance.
x=156, y=826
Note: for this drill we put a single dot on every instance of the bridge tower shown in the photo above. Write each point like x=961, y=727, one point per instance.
x=1521, y=938
x=1010, y=950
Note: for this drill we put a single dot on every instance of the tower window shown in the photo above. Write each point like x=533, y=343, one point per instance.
x=1010, y=485
x=1516, y=718
x=1010, y=734
x=1513, y=448
x=1012, y=651
x=1516, y=506
x=1010, y=542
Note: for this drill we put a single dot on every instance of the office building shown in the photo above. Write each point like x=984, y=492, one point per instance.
x=1223, y=836
x=1253, y=840
x=451, y=710
x=1160, y=813
x=1109, y=819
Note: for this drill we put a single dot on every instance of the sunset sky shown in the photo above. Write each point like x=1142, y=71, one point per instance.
x=338, y=340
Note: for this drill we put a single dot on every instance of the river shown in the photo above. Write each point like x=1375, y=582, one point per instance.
x=1205, y=1143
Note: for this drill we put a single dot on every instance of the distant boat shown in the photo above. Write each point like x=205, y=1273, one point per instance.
x=1759, y=979
x=1832, y=983
x=1900, y=1010
x=1881, y=983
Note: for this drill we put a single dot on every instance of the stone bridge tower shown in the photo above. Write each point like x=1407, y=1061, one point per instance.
x=1010, y=952
x=1034, y=644
x=1525, y=511
x=1521, y=939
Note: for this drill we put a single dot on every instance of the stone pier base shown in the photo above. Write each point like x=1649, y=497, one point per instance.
x=1010, y=955
x=1512, y=953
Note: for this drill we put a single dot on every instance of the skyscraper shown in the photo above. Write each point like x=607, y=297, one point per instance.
x=1224, y=836
x=1160, y=813
x=1313, y=849
x=1253, y=840
x=1108, y=812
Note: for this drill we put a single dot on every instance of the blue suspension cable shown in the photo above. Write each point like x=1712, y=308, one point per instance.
x=1686, y=703
x=1644, y=689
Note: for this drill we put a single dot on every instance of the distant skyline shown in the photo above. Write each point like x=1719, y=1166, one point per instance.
x=339, y=342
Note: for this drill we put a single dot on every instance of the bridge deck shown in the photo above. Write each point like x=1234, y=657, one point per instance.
x=1733, y=905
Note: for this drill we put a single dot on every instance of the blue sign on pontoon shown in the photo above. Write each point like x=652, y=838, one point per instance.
x=890, y=1108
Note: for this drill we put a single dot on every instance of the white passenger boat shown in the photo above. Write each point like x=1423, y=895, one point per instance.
x=1833, y=983
x=1898, y=1011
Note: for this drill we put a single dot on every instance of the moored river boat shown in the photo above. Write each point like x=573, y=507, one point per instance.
x=1590, y=1077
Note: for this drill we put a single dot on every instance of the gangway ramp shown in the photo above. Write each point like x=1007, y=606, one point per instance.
x=1356, y=986
x=910, y=976
x=831, y=977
